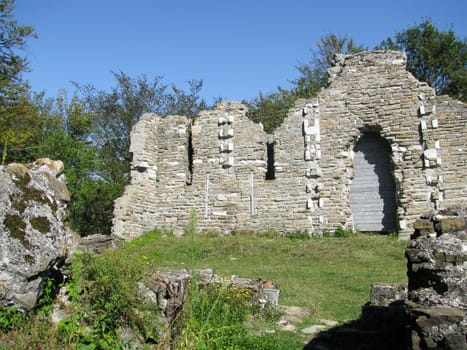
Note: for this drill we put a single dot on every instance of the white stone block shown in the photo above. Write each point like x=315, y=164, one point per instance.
x=230, y=119
x=437, y=144
x=422, y=109
x=430, y=154
x=221, y=197
x=423, y=125
x=434, y=123
x=226, y=147
x=403, y=224
x=222, y=120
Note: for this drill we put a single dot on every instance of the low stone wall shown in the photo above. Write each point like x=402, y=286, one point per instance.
x=437, y=274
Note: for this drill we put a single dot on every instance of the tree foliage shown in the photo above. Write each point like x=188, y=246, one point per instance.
x=433, y=56
x=18, y=119
x=90, y=133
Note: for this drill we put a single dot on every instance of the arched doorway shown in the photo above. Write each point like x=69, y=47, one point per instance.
x=372, y=193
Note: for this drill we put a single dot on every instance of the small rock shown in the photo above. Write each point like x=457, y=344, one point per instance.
x=329, y=323
x=289, y=328
x=314, y=329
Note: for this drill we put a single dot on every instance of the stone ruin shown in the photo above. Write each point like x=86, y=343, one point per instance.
x=370, y=152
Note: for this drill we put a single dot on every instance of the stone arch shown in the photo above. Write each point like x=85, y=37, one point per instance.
x=373, y=190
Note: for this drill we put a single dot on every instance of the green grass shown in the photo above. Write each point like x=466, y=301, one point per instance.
x=330, y=276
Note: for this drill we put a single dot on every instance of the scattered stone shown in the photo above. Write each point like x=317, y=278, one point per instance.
x=288, y=328
x=384, y=294
x=97, y=244
x=314, y=329
x=329, y=323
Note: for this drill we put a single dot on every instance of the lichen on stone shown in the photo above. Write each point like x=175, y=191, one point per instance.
x=17, y=227
x=41, y=224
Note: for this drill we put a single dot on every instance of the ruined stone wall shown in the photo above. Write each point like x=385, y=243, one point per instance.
x=219, y=164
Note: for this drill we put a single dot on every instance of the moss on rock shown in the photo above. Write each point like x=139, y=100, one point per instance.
x=17, y=227
x=41, y=224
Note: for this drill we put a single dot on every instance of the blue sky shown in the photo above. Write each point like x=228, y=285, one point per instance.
x=238, y=47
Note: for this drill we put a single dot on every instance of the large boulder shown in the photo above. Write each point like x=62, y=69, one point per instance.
x=33, y=238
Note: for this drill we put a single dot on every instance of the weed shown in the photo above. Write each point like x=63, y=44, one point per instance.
x=298, y=235
x=269, y=233
x=342, y=232
x=9, y=318
x=192, y=226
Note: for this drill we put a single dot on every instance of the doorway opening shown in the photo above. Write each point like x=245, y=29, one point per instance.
x=372, y=193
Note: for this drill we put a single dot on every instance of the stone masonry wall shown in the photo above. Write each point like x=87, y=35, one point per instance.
x=237, y=177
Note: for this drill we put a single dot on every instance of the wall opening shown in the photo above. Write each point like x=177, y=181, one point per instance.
x=270, y=173
x=372, y=193
x=190, y=151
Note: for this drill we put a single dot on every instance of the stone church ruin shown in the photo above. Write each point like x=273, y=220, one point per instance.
x=371, y=152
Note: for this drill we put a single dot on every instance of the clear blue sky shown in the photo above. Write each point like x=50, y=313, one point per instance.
x=238, y=47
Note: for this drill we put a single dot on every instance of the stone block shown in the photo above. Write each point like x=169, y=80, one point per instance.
x=451, y=225
x=423, y=227
x=385, y=294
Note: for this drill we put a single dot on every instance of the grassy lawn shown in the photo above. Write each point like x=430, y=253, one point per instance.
x=330, y=276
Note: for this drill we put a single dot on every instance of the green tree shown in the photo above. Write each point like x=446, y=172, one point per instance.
x=313, y=74
x=66, y=136
x=19, y=123
x=90, y=133
x=189, y=104
x=271, y=109
x=436, y=57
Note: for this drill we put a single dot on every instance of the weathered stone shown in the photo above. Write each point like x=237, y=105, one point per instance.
x=33, y=237
x=168, y=290
x=437, y=328
x=437, y=271
x=385, y=294
x=237, y=177
x=423, y=227
x=451, y=225
x=96, y=244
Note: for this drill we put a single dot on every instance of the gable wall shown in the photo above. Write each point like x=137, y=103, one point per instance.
x=313, y=150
